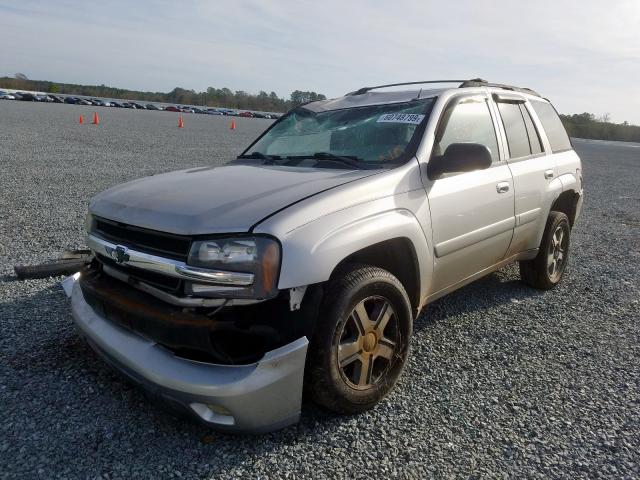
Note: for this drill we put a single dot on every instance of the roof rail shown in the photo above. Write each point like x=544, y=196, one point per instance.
x=474, y=82
x=366, y=89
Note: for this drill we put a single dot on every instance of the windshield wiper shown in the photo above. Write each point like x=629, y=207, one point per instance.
x=261, y=156
x=350, y=160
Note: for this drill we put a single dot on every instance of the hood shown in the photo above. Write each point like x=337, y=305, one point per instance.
x=231, y=198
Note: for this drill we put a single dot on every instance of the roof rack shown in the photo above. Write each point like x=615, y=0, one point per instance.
x=474, y=82
x=366, y=89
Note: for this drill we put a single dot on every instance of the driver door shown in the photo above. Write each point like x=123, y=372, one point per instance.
x=472, y=213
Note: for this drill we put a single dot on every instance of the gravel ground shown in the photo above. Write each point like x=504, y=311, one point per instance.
x=503, y=381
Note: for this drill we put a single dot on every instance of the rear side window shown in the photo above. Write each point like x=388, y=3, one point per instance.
x=469, y=120
x=553, y=127
x=515, y=129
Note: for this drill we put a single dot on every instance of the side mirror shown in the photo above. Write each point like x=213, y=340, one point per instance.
x=460, y=157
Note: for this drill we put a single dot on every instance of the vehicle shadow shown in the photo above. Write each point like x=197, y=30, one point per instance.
x=502, y=287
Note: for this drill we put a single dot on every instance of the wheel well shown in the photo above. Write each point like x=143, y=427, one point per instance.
x=567, y=203
x=397, y=256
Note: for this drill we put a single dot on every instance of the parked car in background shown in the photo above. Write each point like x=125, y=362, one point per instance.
x=99, y=102
x=198, y=110
x=186, y=109
x=71, y=100
x=28, y=97
x=151, y=106
x=7, y=96
x=138, y=106
x=56, y=98
x=245, y=114
x=213, y=111
x=83, y=101
x=116, y=104
x=172, y=108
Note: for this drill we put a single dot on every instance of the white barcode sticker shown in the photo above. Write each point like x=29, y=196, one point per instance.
x=401, y=118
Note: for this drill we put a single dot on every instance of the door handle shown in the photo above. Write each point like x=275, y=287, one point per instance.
x=548, y=174
x=502, y=187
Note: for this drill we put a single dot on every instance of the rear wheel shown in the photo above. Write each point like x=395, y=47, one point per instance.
x=361, y=341
x=546, y=270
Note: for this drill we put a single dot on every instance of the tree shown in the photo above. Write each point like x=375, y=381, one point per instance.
x=212, y=96
x=299, y=97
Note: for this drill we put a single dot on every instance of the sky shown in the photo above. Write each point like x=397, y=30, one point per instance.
x=582, y=55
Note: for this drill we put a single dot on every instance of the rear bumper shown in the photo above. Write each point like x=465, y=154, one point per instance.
x=254, y=398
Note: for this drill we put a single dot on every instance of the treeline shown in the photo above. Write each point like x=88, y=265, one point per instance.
x=586, y=125
x=212, y=97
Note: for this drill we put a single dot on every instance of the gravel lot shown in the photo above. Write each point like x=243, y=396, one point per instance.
x=503, y=381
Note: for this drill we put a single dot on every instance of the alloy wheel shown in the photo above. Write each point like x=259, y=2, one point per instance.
x=557, y=254
x=368, y=342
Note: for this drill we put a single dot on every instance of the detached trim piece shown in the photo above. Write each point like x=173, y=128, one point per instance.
x=173, y=268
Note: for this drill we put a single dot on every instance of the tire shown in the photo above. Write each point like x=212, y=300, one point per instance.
x=554, y=248
x=365, y=321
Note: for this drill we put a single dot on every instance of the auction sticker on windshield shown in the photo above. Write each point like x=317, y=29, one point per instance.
x=401, y=118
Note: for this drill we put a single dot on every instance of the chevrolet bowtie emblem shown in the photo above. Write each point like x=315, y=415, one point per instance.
x=119, y=254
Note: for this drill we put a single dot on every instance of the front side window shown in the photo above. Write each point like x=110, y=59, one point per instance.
x=552, y=125
x=515, y=129
x=371, y=136
x=467, y=120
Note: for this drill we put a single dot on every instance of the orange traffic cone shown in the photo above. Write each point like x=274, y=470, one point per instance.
x=81, y=121
x=233, y=124
x=96, y=119
x=180, y=122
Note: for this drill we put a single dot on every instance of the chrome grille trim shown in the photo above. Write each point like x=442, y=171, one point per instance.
x=173, y=268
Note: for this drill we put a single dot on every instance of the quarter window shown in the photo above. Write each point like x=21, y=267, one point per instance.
x=467, y=121
x=515, y=129
x=553, y=127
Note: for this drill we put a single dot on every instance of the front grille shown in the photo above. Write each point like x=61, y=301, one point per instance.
x=163, y=282
x=142, y=239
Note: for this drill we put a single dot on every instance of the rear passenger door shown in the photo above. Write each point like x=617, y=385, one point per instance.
x=471, y=212
x=532, y=169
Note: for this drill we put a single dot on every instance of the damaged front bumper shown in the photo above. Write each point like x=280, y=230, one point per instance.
x=258, y=397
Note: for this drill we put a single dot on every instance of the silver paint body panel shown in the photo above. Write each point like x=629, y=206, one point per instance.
x=461, y=228
x=458, y=225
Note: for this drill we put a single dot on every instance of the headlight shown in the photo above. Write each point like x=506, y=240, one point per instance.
x=257, y=255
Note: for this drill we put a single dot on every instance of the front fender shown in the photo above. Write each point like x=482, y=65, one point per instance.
x=311, y=252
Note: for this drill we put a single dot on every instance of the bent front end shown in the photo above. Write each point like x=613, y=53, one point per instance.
x=254, y=397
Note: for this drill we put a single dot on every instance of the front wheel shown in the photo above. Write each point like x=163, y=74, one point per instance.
x=545, y=271
x=361, y=341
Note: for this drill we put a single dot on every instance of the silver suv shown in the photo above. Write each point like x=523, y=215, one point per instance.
x=303, y=263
